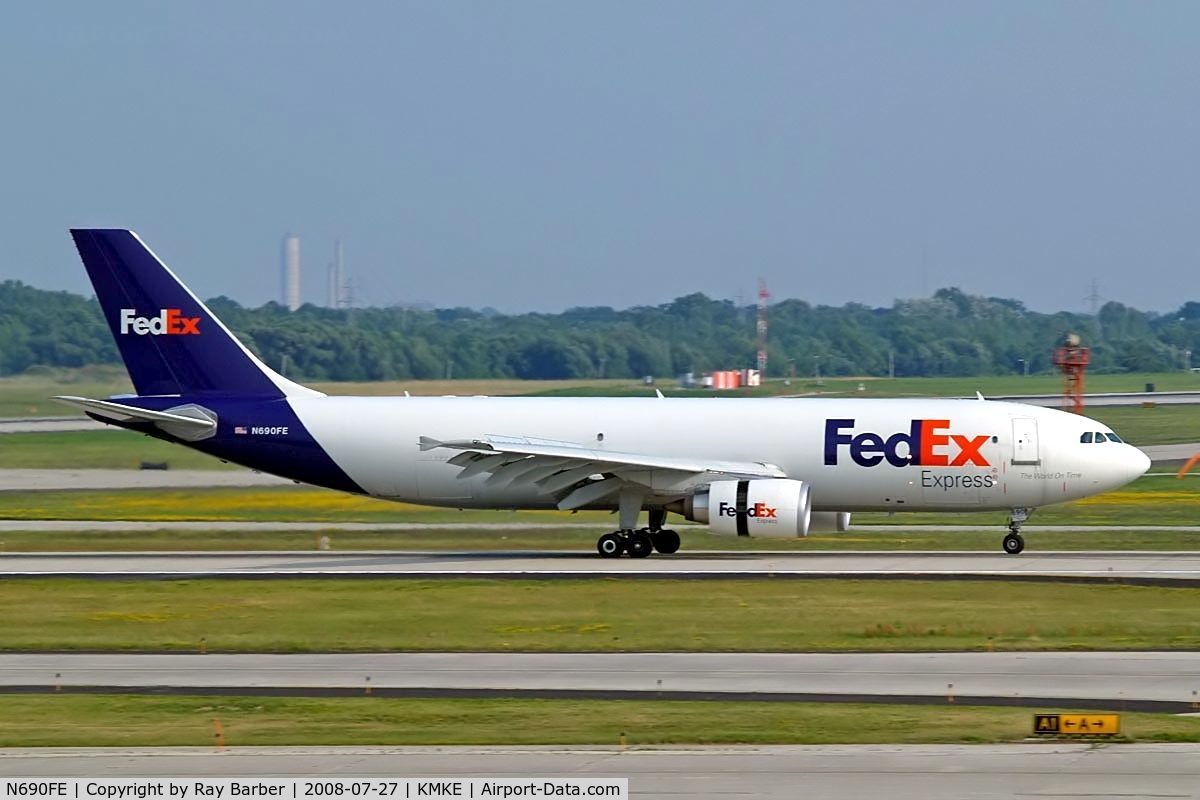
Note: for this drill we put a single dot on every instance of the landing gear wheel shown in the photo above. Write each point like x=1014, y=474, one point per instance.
x=610, y=545
x=665, y=542
x=1013, y=544
x=639, y=544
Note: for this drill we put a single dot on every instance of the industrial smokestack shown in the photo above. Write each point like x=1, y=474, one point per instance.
x=290, y=272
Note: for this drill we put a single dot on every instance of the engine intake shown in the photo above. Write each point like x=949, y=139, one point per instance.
x=771, y=509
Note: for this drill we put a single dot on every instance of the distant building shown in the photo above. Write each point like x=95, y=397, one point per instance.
x=290, y=272
x=733, y=379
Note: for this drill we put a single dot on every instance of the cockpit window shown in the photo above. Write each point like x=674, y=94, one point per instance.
x=1098, y=437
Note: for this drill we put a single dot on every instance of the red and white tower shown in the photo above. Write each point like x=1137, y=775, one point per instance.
x=1071, y=358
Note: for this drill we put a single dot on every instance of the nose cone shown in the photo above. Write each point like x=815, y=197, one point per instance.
x=1136, y=464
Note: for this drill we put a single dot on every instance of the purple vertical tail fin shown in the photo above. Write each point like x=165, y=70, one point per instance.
x=170, y=342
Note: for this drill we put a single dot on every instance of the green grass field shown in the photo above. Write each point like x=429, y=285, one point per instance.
x=283, y=503
x=140, y=721
x=989, y=385
x=1149, y=426
x=102, y=449
x=592, y=615
x=28, y=395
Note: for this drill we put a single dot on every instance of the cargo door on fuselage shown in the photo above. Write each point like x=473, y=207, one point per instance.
x=1026, y=449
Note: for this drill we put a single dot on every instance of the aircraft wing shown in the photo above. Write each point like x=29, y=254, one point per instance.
x=587, y=474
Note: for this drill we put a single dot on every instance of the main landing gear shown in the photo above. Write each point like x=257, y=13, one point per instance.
x=638, y=544
x=641, y=542
x=1013, y=543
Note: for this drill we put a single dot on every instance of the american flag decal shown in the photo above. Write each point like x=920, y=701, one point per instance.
x=240, y=430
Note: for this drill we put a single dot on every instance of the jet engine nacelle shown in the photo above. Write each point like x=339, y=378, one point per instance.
x=829, y=522
x=771, y=508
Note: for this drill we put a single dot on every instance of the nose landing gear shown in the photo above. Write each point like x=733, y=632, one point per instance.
x=1013, y=542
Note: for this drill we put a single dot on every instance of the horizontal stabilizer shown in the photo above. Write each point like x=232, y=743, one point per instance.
x=188, y=422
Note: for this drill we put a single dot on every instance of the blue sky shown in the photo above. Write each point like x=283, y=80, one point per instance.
x=542, y=155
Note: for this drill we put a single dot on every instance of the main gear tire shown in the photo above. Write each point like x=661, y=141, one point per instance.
x=665, y=541
x=639, y=544
x=610, y=545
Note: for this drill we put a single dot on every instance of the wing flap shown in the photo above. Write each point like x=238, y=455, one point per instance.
x=549, y=448
x=589, y=493
x=555, y=467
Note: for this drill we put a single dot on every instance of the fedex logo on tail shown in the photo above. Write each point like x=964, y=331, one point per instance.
x=169, y=322
x=927, y=443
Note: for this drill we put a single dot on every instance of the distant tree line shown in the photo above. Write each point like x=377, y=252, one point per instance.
x=951, y=333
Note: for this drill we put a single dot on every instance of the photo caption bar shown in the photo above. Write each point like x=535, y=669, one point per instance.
x=309, y=788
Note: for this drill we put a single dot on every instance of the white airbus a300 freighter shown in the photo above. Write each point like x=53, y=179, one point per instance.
x=745, y=467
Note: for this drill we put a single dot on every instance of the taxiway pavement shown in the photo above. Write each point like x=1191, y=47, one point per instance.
x=28, y=480
x=897, y=772
x=51, y=425
x=1144, y=566
x=1108, y=679
x=1171, y=452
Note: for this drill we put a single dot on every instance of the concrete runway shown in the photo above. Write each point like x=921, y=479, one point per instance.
x=1105, y=399
x=1171, y=452
x=1165, y=681
x=1150, y=567
x=896, y=772
x=51, y=425
x=28, y=480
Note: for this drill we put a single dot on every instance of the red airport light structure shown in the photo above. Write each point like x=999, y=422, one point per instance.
x=1072, y=360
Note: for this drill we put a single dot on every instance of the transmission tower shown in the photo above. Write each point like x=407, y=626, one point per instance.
x=1094, y=299
x=763, y=297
